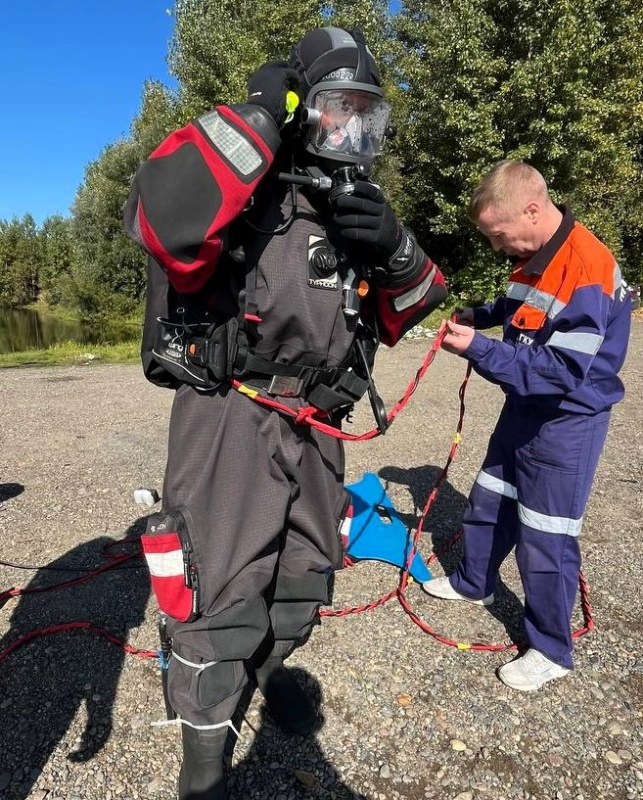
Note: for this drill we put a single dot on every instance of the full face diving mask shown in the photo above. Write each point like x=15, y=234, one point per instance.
x=345, y=121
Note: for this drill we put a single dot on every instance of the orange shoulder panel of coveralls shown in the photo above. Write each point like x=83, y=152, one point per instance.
x=582, y=260
x=597, y=262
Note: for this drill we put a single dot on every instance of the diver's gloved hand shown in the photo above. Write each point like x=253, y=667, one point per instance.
x=366, y=218
x=268, y=88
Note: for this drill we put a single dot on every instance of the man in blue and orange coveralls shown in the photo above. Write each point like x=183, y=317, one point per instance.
x=566, y=321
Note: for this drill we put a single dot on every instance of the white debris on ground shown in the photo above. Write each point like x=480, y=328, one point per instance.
x=146, y=497
x=420, y=332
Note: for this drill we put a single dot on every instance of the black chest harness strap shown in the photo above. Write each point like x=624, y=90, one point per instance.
x=205, y=356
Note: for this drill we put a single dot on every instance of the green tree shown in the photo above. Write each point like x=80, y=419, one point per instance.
x=8, y=241
x=556, y=83
x=20, y=261
x=57, y=249
x=217, y=44
x=159, y=114
x=108, y=274
x=107, y=277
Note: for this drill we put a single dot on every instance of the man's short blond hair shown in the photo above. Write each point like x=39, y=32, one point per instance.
x=507, y=188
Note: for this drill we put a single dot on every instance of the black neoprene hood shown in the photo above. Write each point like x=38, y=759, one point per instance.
x=325, y=51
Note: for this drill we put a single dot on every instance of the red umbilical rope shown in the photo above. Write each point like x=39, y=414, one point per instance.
x=307, y=415
x=400, y=590
x=113, y=562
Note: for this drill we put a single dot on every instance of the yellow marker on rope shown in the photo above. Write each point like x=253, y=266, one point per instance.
x=292, y=101
x=243, y=389
x=457, y=439
x=464, y=646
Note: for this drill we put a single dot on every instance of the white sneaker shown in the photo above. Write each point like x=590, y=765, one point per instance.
x=441, y=587
x=530, y=671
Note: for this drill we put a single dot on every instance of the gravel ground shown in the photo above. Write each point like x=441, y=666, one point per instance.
x=404, y=716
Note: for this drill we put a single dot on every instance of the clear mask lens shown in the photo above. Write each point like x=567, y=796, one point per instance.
x=351, y=122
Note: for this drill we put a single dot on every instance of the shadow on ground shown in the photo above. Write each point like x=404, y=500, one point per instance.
x=10, y=490
x=46, y=681
x=442, y=527
x=278, y=765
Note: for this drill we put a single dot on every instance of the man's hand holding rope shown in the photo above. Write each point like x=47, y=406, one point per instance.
x=457, y=338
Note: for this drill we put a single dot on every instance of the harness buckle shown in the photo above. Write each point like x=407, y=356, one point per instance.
x=285, y=386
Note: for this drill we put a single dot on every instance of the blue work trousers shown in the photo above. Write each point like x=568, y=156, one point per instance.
x=531, y=494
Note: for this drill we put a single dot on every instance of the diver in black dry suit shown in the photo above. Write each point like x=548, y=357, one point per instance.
x=285, y=283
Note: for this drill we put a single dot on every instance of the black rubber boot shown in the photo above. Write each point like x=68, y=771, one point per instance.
x=202, y=775
x=289, y=705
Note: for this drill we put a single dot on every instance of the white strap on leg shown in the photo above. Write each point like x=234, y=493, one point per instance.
x=164, y=723
x=179, y=721
x=197, y=667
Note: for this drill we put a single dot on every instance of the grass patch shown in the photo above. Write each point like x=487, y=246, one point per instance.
x=72, y=353
x=437, y=317
x=65, y=314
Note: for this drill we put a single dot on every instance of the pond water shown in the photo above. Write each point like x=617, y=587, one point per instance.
x=25, y=329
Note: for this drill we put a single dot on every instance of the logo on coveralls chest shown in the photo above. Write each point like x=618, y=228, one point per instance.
x=323, y=262
x=524, y=339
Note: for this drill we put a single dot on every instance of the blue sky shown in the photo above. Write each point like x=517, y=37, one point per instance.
x=72, y=79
